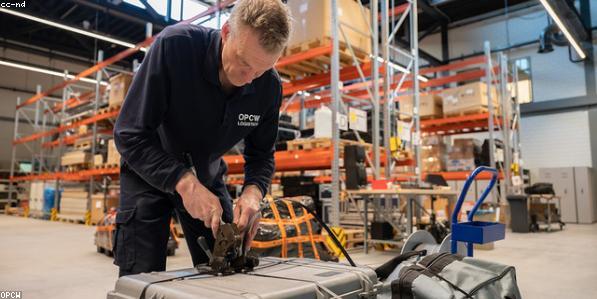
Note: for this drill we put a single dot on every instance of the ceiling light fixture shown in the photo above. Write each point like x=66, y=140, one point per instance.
x=560, y=24
x=46, y=71
x=70, y=28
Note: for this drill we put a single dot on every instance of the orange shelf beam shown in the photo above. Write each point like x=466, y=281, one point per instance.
x=86, y=121
x=68, y=140
x=398, y=10
x=69, y=176
x=75, y=101
x=312, y=159
x=128, y=52
x=298, y=57
x=456, y=124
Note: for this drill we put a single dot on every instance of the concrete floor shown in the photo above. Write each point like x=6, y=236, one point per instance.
x=58, y=260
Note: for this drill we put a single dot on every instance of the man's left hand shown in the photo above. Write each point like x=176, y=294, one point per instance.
x=246, y=212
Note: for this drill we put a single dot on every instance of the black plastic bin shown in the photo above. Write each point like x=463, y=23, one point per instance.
x=519, y=214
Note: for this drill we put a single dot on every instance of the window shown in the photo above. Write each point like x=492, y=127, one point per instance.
x=182, y=10
x=525, y=86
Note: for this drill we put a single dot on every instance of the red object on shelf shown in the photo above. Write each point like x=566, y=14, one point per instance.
x=380, y=184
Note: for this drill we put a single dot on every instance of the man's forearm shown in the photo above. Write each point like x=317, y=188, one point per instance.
x=253, y=191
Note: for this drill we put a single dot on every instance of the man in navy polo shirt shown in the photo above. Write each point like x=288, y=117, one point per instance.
x=198, y=93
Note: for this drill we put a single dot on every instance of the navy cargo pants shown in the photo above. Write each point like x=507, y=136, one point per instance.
x=143, y=225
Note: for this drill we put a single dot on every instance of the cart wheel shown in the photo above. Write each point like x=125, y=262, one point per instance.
x=100, y=249
x=171, y=251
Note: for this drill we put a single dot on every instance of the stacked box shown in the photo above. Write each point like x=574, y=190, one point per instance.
x=433, y=152
x=430, y=106
x=98, y=160
x=119, y=86
x=99, y=205
x=73, y=202
x=462, y=155
x=113, y=154
x=467, y=99
x=75, y=158
x=311, y=22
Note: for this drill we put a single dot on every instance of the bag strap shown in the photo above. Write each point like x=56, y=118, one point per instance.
x=388, y=267
x=438, y=261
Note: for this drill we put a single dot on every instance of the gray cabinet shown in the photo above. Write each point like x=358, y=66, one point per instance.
x=562, y=179
x=585, y=200
x=575, y=187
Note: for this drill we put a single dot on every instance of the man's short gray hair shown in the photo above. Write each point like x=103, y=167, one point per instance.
x=269, y=18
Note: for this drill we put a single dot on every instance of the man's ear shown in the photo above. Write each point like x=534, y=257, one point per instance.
x=225, y=31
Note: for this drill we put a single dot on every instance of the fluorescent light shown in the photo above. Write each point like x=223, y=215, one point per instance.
x=556, y=18
x=400, y=68
x=46, y=71
x=70, y=28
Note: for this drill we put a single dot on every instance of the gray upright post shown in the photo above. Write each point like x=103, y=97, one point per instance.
x=414, y=44
x=98, y=80
x=14, y=152
x=335, y=84
x=375, y=78
x=388, y=99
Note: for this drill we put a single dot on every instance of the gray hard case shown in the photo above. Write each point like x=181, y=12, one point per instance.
x=273, y=278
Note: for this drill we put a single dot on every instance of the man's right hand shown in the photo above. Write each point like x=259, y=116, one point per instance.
x=199, y=201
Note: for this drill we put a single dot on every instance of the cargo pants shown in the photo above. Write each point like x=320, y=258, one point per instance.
x=143, y=225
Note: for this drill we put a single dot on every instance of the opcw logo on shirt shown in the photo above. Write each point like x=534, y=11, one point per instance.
x=248, y=120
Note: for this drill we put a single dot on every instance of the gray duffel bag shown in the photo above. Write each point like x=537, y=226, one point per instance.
x=446, y=276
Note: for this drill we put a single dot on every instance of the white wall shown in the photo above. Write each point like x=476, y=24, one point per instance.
x=23, y=80
x=554, y=140
x=554, y=76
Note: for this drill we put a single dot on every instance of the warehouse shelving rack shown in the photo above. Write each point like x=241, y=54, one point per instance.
x=53, y=113
x=366, y=93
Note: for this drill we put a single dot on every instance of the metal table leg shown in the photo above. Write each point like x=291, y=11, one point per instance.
x=366, y=222
x=409, y=215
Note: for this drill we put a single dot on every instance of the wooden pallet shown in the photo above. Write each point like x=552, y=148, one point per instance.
x=106, y=165
x=108, y=109
x=311, y=143
x=16, y=211
x=471, y=111
x=319, y=64
x=354, y=237
x=76, y=167
x=83, y=145
x=426, y=117
x=69, y=218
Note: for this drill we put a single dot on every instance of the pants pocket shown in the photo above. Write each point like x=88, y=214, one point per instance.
x=124, y=239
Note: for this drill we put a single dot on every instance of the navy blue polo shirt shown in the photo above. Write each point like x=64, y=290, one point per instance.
x=176, y=105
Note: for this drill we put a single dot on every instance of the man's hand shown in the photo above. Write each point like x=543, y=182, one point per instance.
x=246, y=212
x=200, y=202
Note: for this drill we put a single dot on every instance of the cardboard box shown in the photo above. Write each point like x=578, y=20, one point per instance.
x=113, y=154
x=464, y=149
x=97, y=206
x=312, y=21
x=119, y=86
x=430, y=106
x=469, y=98
x=460, y=164
x=98, y=160
x=75, y=158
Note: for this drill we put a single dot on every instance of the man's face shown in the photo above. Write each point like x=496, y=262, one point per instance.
x=243, y=58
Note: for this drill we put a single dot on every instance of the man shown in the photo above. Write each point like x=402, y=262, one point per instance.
x=198, y=93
